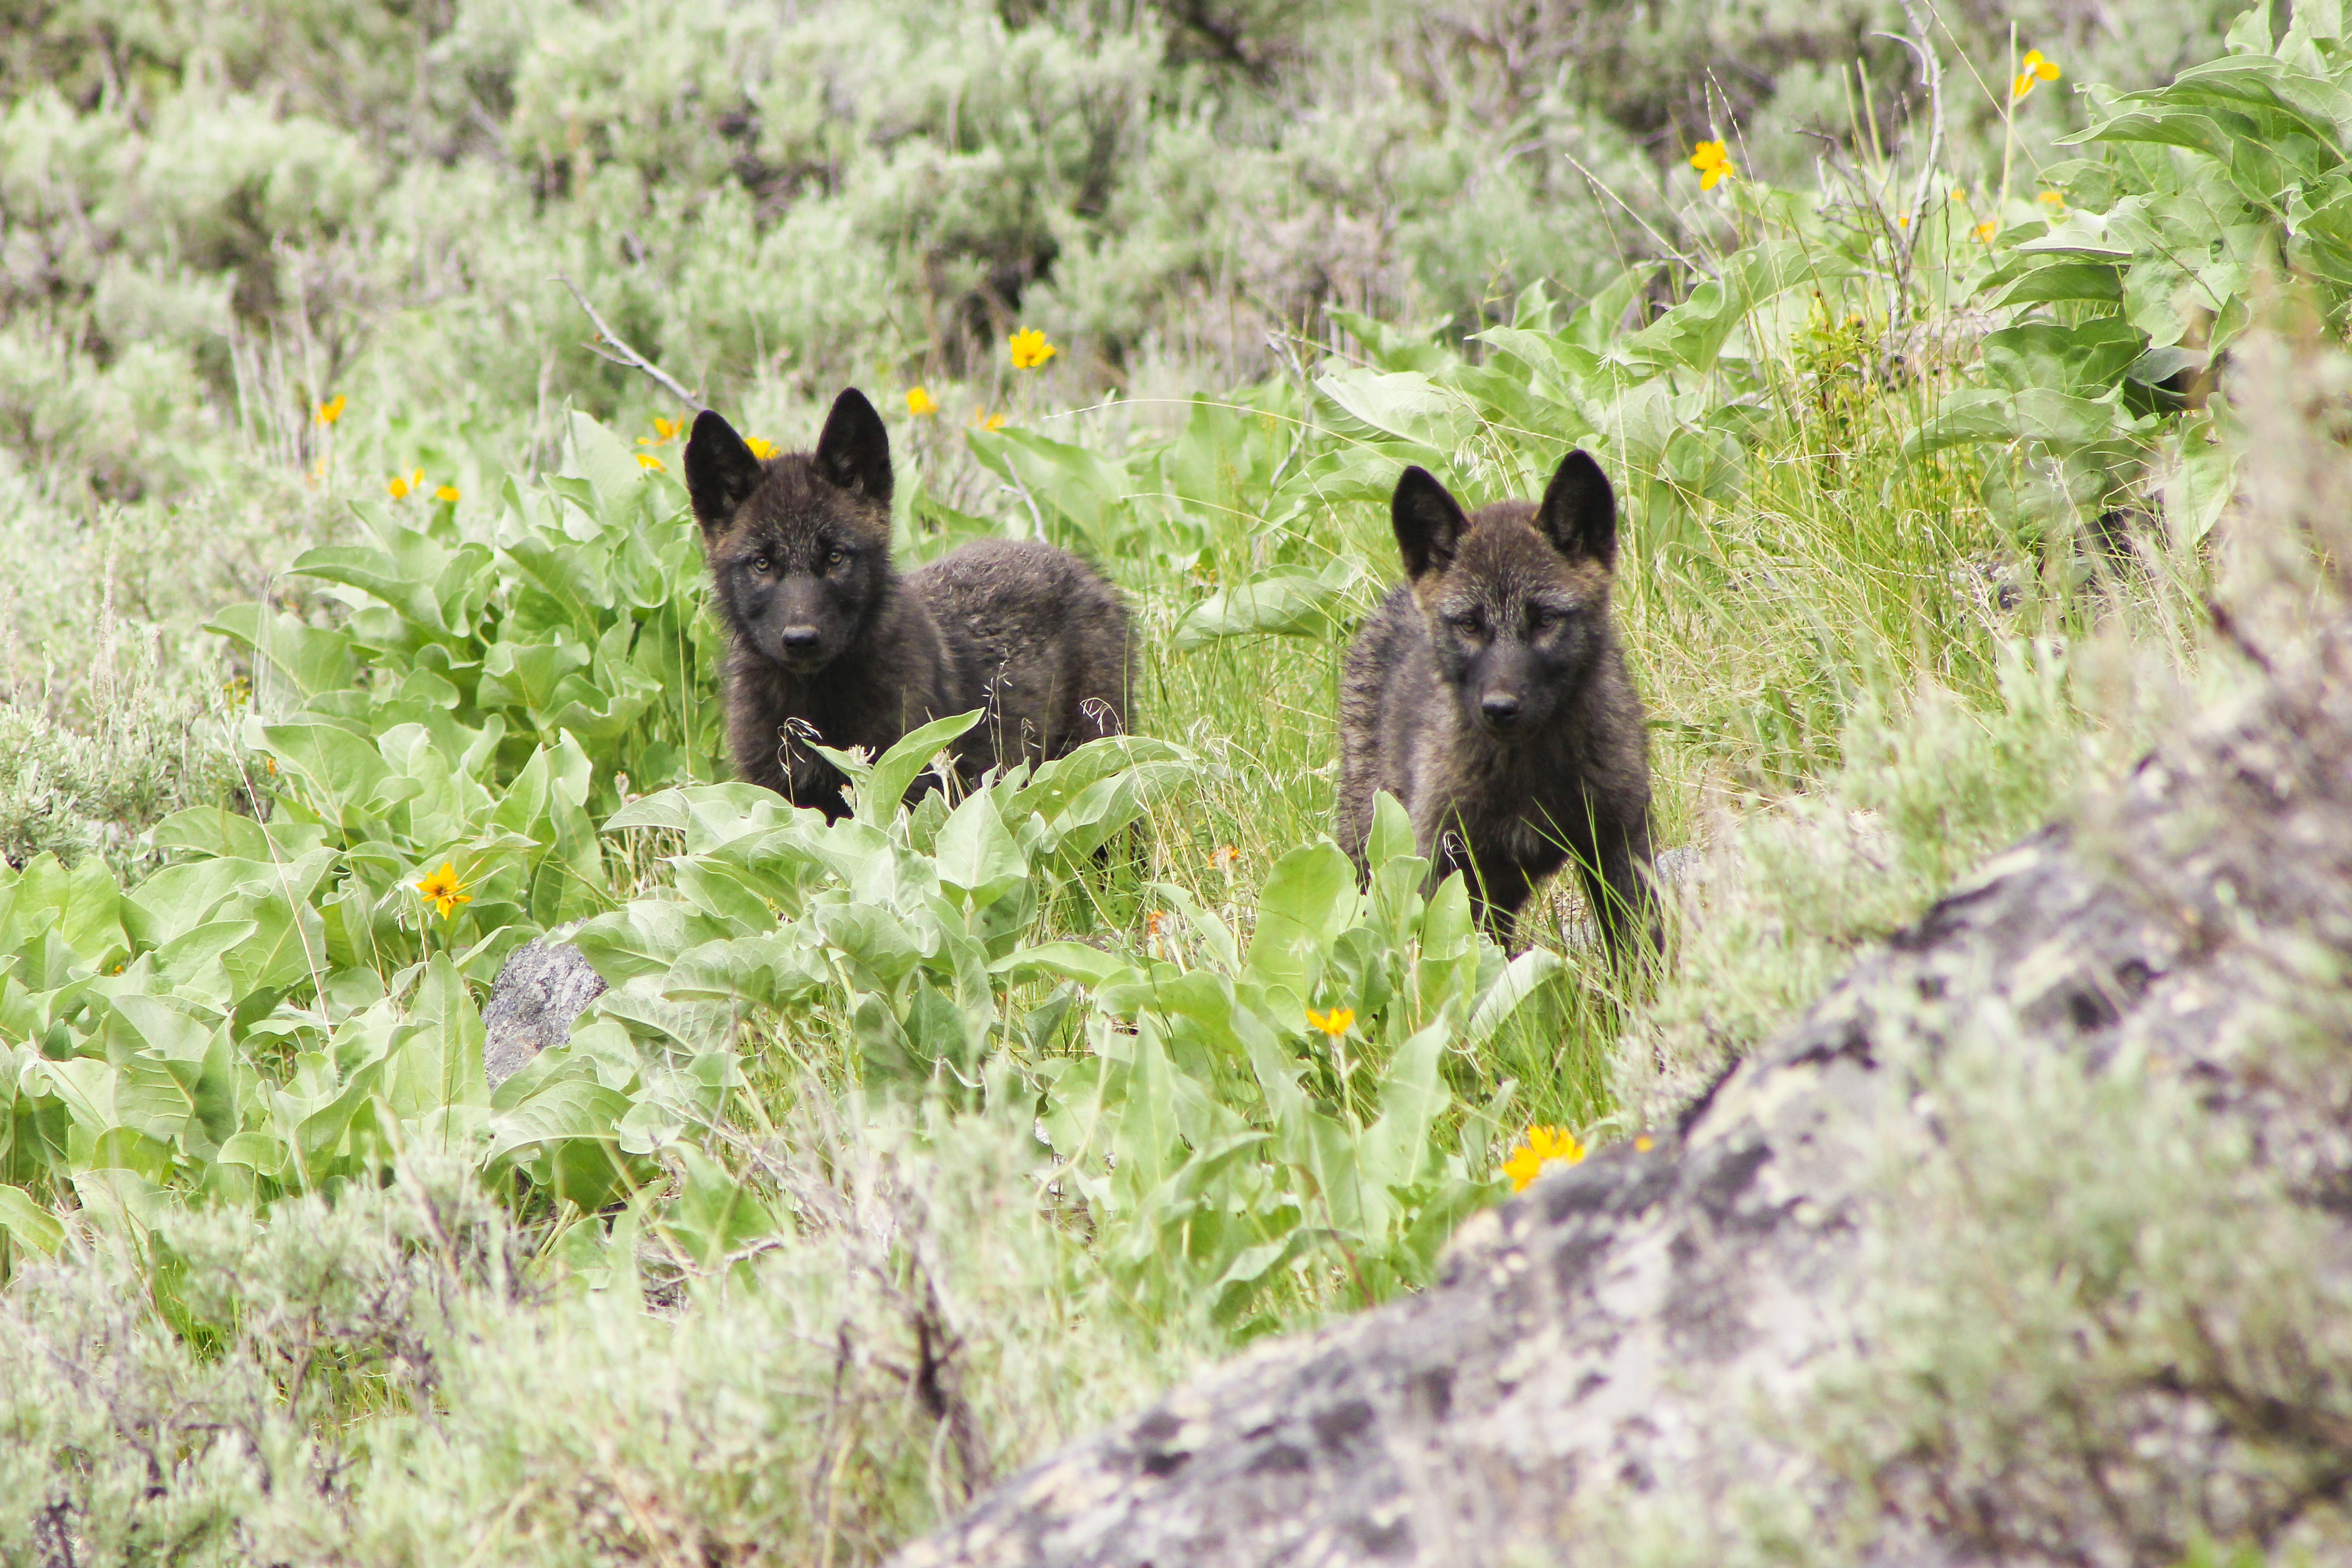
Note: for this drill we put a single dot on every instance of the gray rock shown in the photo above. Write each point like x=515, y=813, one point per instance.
x=544, y=986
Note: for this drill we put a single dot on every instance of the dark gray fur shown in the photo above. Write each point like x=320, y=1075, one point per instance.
x=1489, y=694
x=831, y=642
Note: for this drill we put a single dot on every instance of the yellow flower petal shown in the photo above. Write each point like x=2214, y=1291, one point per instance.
x=446, y=492
x=920, y=404
x=1030, y=349
x=333, y=410
x=444, y=891
x=647, y=460
x=1335, y=1023
x=761, y=447
x=1541, y=1147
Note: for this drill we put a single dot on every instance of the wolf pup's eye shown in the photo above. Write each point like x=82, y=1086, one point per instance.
x=762, y=565
x=1466, y=623
x=835, y=556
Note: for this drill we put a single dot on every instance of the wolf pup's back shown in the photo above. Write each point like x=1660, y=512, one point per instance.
x=831, y=643
x=1489, y=695
x=1044, y=640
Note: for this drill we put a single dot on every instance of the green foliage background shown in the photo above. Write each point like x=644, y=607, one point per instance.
x=904, y=1147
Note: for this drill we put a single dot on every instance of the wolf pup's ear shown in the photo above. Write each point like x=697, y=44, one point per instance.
x=1579, y=514
x=719, y=470
x=1428, y=520
x=854, y=452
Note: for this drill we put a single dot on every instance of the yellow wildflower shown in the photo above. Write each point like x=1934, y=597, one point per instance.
x=1713, y=161
x=1226, y=859
x=1542, y=1146
x=1644, y=1143
x=1958, y=194
x=921, y=404
x=1987, y=229
x=397, y=487
x=761, y=447
x=984, y=420
x=647, y=460
x=333, y=410
x=1903, y=220
x=2031, y=70
x=1335, y=1023
x=446, y=492
x=1030, y=349
x=668, y=429
x=444, y=891
x=2051, y=199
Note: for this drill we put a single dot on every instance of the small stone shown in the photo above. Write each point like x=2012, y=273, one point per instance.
x=544, y=986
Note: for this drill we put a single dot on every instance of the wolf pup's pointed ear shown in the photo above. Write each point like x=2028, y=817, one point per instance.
x=720, y=470
x=1579, y=514
x=854, y=452
x=1428, y=520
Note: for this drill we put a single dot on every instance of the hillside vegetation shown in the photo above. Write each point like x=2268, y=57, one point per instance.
x=356, y=635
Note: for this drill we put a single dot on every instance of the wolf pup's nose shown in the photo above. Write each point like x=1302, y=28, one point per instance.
x=1501, y=708
x=800, y=639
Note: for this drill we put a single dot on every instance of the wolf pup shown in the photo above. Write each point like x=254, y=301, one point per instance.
x=1489, y=695
x=832, y=645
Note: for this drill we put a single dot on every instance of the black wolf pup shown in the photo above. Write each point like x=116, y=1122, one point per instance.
x=1489, y=695
x=831, y=644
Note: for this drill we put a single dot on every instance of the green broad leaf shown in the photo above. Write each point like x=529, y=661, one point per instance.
x=884, y=789
x=28, y=1223
x=156, y=1095
x=770, y=972
x=1693, y=334
x=2202, y=483
x=1392, y=837
x=1284, y=602
x=1975, y=414
x=319, y=1133
x=568, y=1109
x=1395, y=348
x=341, y=775
x=977, y=857
x=311, y=660
x=1396, y=1150
x=1309, y=897
x=1071, y=483
x=1404, y=403
x=1089, y=966
x=217, y=831
x=2086, y=359
x=715, y=1216
x=530, y=676
x=2068, y=280
x=92, y=926
x=404, y=581
x=611, y=470
x=1357, y=473
x=1522, y=978
x=2079, y=233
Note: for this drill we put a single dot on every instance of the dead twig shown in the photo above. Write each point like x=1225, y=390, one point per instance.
x=607, y=345
x=1925, y=49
